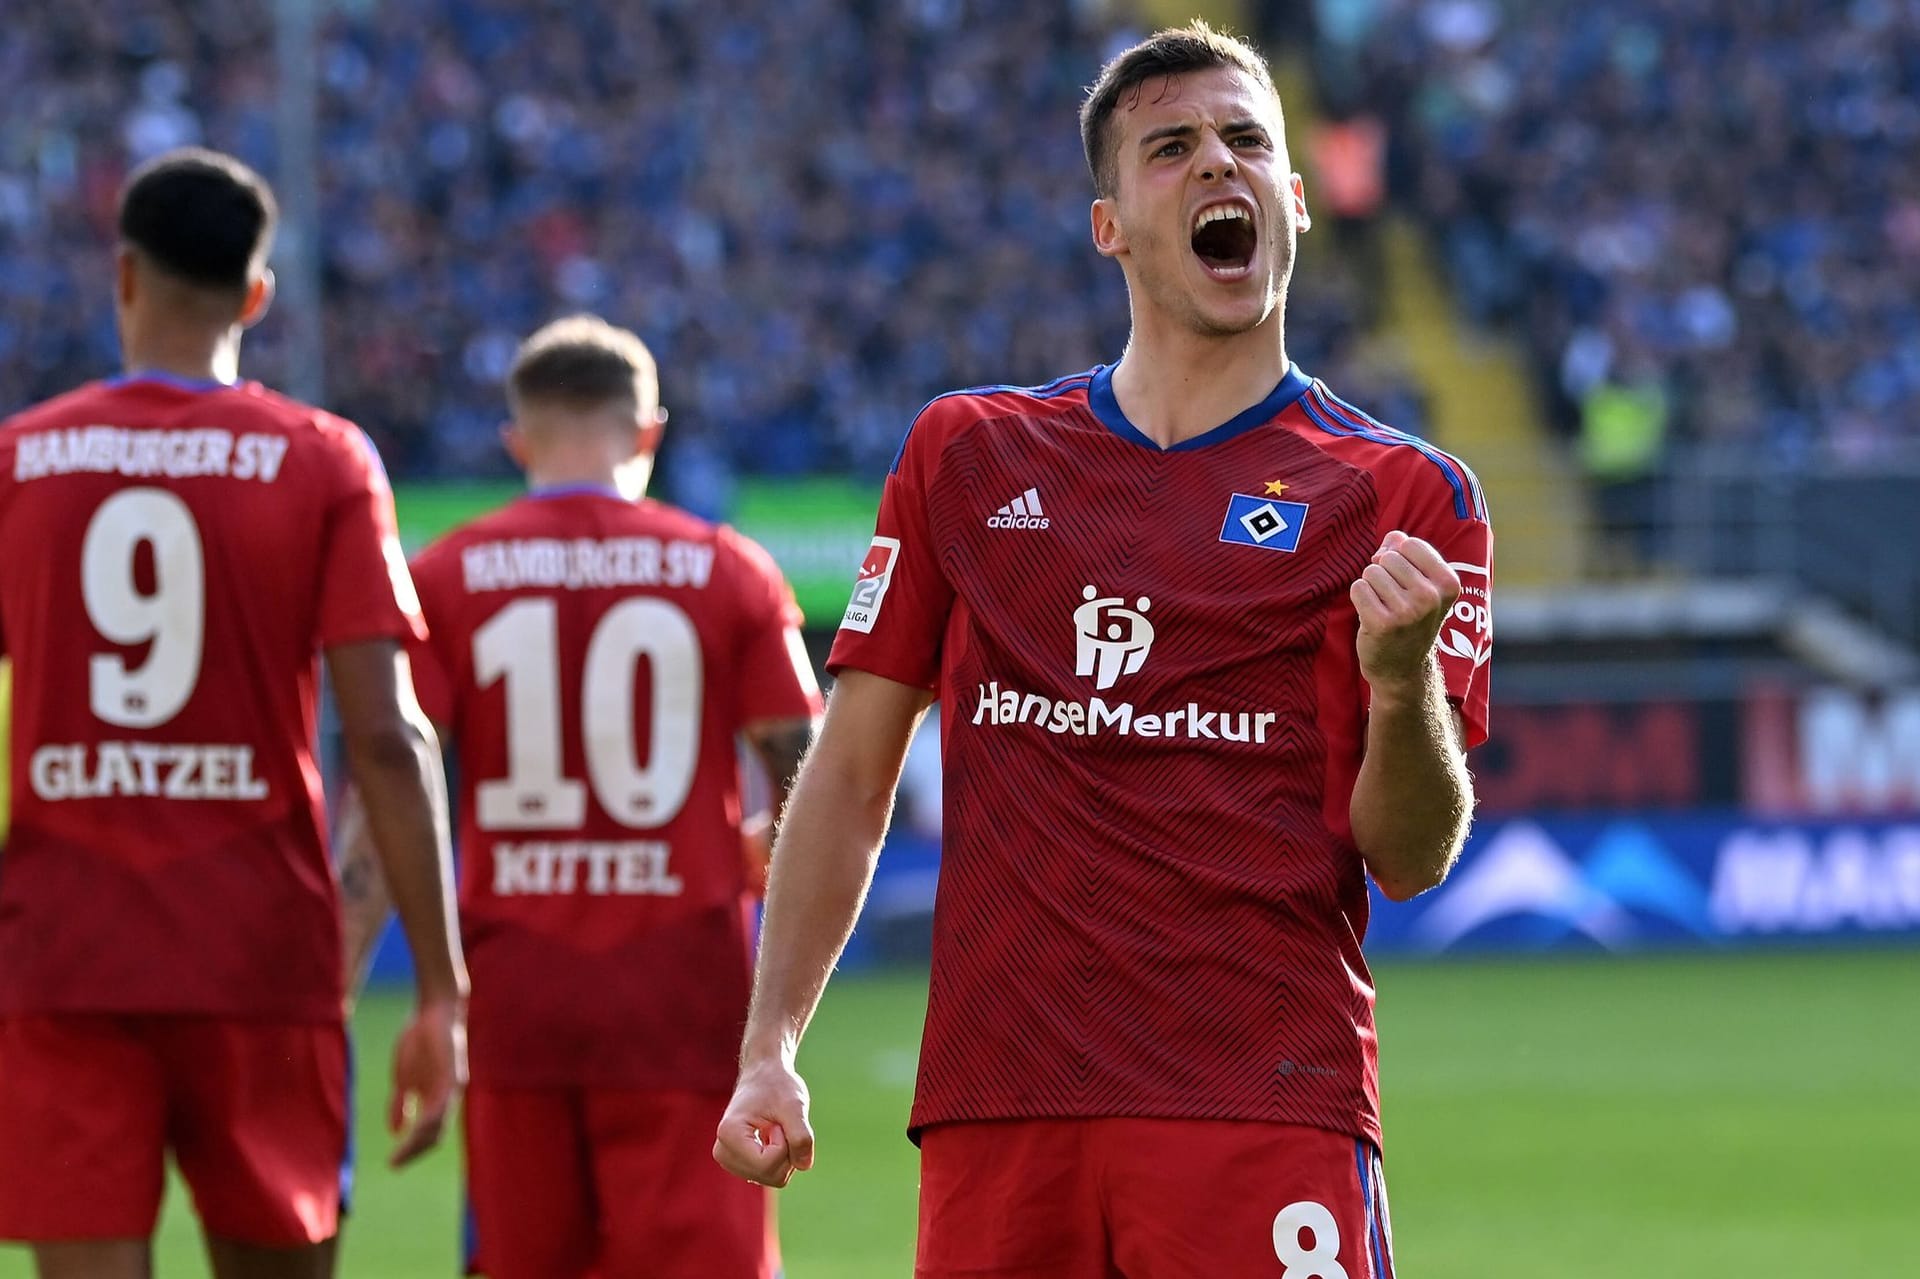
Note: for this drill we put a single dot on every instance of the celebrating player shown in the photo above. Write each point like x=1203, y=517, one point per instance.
x=597, y=656
x=1211, y=644
x=180, y=545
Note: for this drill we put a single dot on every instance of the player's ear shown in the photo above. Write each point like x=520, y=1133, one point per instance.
x=648, y=430
x=1302, y=220
x=259, y=298
x=1109, y=239
x=514, y=441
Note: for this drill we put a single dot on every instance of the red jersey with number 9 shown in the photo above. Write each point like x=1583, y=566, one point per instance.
x=176, y=555
x=596, y=660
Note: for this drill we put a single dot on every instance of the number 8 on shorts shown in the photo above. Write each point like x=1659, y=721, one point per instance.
x=1318, y=1260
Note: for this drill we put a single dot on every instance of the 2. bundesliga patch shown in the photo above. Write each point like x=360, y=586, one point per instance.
x=876, y=574
x=1264, y=522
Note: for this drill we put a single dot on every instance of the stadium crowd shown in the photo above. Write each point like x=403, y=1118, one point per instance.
x=1703, y=214
x=817, y=222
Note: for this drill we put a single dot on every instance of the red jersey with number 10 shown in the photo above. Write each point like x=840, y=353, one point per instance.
x=176, y=554
x=1150, y=901
x=596, y=660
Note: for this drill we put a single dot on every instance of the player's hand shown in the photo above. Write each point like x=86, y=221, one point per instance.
x=764, y=1136
x=429, y=1070
x=1402, y=597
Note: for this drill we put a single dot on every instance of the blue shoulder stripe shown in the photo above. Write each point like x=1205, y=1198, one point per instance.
x=1467, y=500
x=1051, y=390
x=1358, y=417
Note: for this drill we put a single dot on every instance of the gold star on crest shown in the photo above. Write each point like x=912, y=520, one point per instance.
x=1275, y=488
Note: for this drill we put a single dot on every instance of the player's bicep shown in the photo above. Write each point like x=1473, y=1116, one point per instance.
x=372, y=685
x=869, y=722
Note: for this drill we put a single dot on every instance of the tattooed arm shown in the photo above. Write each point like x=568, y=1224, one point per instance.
x=364, y=902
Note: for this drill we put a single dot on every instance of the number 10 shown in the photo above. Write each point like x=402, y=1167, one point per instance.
x=520, y=643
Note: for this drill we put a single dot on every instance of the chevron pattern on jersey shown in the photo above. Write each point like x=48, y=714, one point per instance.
x=1135, y=922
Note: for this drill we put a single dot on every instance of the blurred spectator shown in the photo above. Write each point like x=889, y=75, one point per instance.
x=1623, y=433
x=818, y=213
x=1349, y=155
x=1729, y=186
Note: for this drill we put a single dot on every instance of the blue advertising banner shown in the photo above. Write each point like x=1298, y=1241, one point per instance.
x=1614, y=883
x=1659, y=882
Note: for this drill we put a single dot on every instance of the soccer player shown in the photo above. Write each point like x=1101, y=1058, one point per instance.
x=596, y=657
x=1211, y=645
x=180, y=548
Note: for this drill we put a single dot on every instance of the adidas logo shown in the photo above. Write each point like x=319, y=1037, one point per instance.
x=1022, y=512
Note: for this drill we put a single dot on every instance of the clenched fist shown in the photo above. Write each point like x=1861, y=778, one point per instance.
x=1402, y=597
x=764, y=1136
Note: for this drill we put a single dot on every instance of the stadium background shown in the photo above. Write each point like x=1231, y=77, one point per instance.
x=1649, y=265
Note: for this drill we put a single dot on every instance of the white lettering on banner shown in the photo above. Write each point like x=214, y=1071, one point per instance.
x=622, y=868
x=1791, y=881
x=1001, y=707
x=116, y=450
x=1854, y=758
x=151, y=770
x=584, y=563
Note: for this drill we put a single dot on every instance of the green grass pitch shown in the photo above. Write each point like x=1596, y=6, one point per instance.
x=1714, y=1117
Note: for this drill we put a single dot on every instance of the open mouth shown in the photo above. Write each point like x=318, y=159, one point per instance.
x=1224, y=240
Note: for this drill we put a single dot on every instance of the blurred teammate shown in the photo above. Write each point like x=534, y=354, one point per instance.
x=596, y=657
x=6, y=719
x=1211, y=645
x=181, y=545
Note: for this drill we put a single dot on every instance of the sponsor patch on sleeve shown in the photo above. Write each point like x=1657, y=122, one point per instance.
x=876, y=574
x=1468, y=631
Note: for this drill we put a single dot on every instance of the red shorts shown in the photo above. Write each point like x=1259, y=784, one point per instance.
x=1171, y=1198
x=572, y=1182
x=254, y=1112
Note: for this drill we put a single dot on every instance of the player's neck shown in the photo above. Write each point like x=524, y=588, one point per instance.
x=1176, y=384
x=185, y=355
x=565, y=474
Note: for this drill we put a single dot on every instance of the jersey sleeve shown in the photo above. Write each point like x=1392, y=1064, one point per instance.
x=1464, y=537
x=775, y=679
x=366, y=591
x=432, y=669
x=897, y=617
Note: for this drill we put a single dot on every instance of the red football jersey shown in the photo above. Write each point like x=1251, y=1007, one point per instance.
x=177, y=554
x=1150, y=901
x=596, y=660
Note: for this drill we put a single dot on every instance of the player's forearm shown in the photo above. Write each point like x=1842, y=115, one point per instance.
x=823, y=862
x=364, y=901
x=397, y=771
x=1413, y=799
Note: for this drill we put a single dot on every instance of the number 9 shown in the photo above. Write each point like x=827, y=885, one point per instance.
x=172, y=617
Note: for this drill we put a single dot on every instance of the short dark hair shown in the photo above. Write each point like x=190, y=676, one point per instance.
x=1169, y=52
x=201, y=216
x=582, y=362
